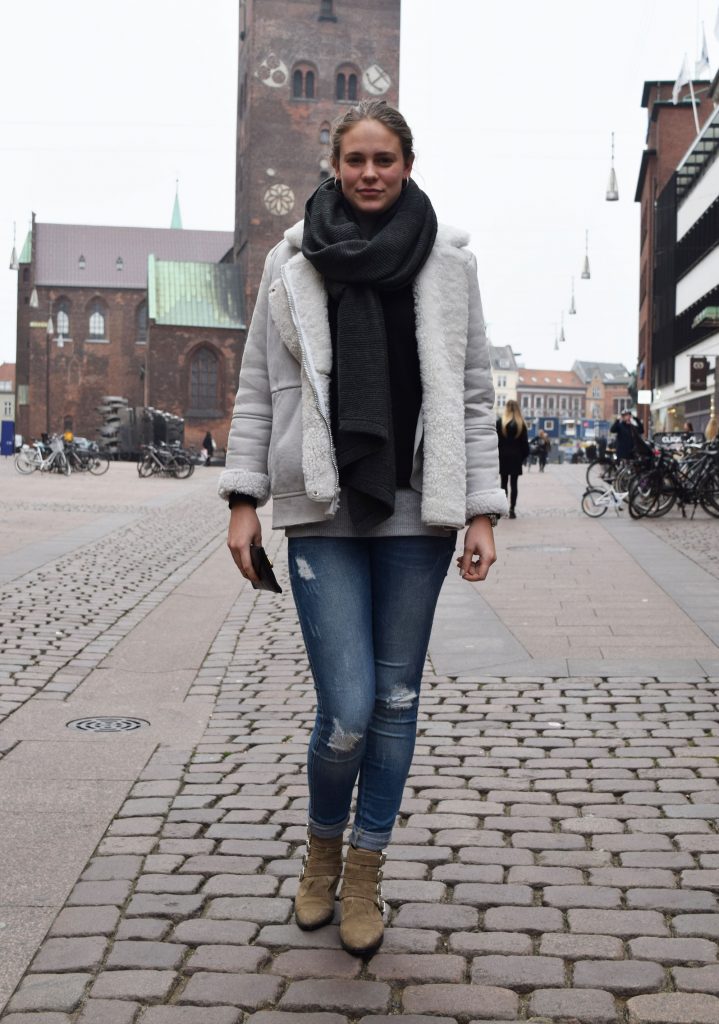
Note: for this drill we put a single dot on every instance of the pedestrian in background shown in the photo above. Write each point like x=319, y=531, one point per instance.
x=626, y=429
x=543, y=448
x=365, y=409
x=513, y=443
x=209, y=446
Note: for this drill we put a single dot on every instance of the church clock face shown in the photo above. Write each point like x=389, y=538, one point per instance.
x=279, y=200
x=376, y=80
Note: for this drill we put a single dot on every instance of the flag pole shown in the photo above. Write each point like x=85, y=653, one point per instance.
x=694, y=105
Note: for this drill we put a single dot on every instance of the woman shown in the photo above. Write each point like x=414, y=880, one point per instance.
x=513, y=450
x=543, y=447
x=208, y=446
x=364, y=408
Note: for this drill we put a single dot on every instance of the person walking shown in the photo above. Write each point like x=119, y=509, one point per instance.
x=543, y=448
x=513, y=442
x=626, y=429
x=365, y=410
x=209, y=446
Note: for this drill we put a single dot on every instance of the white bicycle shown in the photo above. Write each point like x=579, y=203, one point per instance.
x=596, y=500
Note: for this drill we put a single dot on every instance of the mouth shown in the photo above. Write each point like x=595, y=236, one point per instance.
x=369, y=192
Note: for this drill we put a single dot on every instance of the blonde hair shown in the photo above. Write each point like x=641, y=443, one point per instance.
x=712, y=429
x=511, y=414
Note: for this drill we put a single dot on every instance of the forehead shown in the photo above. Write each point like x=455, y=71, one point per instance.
x=369, y=135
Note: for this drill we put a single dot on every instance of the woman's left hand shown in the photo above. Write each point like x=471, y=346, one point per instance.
x=479, y=541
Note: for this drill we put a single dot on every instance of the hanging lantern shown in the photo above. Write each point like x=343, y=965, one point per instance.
x=586, y=273
x=572, y=304
x=562, y=335
x=556, y=343
x=14, y=265
x=34, y=300
x=612, y=188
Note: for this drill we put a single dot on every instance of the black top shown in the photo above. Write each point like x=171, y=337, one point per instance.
x=404, y=376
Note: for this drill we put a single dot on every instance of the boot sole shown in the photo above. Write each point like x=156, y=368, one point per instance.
x=319, y=924
x=363, y=951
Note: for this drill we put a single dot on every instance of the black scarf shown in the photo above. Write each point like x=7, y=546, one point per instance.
x=355, y=270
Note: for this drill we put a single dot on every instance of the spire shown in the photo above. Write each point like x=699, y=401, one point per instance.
x=14, y=265
x=176, y=215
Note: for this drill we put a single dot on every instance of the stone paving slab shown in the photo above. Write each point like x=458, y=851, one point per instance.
x=556, y=857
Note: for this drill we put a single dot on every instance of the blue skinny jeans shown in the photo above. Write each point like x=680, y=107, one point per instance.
x=365, y=607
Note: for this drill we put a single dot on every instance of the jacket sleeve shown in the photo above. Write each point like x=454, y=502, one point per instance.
x=524, y=441
x=483, y=491
x=249, y=438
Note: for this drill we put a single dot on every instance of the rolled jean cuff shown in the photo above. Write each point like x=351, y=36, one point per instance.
x=327, y=831
x=369, y=840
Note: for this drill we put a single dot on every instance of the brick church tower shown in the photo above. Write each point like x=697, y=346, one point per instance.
x=301, y=63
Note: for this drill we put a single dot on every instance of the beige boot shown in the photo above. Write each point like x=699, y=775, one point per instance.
x=362, y=928
x=319, y=878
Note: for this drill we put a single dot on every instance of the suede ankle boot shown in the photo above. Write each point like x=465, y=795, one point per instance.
x=362, y=928
x=319, y=878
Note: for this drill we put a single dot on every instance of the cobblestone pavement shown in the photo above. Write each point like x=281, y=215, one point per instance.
x=556, y=859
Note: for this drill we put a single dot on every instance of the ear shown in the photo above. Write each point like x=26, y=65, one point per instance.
x=409, y=164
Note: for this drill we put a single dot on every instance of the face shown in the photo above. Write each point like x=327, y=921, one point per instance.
x=371, y=167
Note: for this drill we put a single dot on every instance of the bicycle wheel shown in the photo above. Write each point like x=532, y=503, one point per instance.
x=98, y=464
x=624, y=476
x=595, y=502
x=25, y=463
x=63, y=466
x=146, y=467
x=180, y=468
x=600, y=472
x=709, y=495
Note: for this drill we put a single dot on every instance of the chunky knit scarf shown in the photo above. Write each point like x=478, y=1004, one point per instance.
x=356, y=270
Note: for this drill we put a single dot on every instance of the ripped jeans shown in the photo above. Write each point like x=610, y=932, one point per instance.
x=366, y=607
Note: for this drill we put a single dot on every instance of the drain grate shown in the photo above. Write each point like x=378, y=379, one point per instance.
x=107, y=723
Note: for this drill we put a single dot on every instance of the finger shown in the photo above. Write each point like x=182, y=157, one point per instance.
x=465, y=562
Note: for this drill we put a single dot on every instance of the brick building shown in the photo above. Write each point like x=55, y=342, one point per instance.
x=606, y=394
x=301, y=63
x=82, y=320
x=670, y=132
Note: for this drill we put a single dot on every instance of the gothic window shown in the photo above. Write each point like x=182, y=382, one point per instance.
x=204, y=380
x=141, y=324
x=62, y=319
x=304, y=82
x=96, y=322
x=327, y=11
x=347, y=83
x=325, y=133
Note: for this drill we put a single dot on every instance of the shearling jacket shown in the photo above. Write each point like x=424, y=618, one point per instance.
x=280, y=443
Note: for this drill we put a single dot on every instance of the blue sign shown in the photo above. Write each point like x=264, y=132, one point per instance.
x=7, y=438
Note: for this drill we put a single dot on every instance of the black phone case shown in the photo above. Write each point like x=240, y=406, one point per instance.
x=263, y=569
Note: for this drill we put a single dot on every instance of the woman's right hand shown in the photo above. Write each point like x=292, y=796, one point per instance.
x=244, y=530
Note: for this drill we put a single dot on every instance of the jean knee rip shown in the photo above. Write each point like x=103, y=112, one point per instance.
x=343, y=740
x=401, y=699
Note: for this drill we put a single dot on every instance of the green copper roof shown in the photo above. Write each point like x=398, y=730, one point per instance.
x=176, y=215
x=26, y=254
x=195, y=294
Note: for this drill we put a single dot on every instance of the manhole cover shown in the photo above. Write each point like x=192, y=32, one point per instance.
x=107, y=723
x=550, y=549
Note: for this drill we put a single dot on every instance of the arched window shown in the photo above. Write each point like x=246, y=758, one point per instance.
x=62, y=319
x=204, y=380
x=141, y=324
x=325, y=133
x=326, y=11
x=347, y=83
x=96, y=323
x=304, y=82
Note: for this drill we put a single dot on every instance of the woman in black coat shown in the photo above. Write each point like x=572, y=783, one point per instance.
x=513, y=450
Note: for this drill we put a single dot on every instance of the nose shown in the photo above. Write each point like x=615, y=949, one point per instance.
x=369, y=171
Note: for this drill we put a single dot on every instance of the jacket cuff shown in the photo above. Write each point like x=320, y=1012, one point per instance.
x=243, y=481
x=484, y=502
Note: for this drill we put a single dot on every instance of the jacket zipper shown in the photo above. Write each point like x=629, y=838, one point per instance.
x=311, y=373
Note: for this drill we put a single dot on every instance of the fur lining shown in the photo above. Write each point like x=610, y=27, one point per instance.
x=256, y=485
x=484, y=502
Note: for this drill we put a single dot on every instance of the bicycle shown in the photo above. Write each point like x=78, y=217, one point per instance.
x=165, y=461
x=689, y=480
x=31, y=458
x=596, y=500
x=88, y=459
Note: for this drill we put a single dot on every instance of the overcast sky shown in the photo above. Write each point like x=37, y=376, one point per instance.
x=104, y=104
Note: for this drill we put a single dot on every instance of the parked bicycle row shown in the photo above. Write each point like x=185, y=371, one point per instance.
x=656, y=479
x=59, y=456
x=166, y=460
